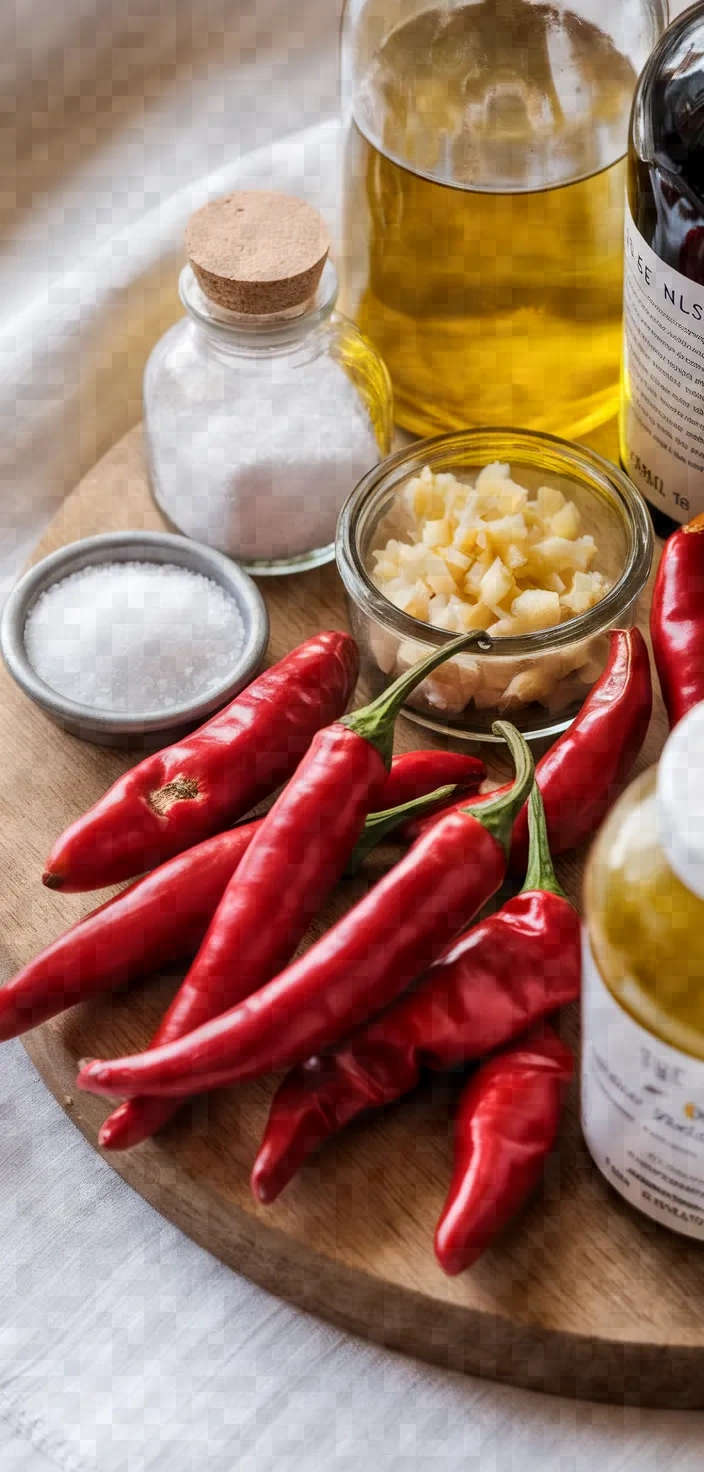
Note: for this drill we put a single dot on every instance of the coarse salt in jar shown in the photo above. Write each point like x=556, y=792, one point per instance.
x=263, y=406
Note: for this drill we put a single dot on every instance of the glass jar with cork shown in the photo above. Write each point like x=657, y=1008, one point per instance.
x=263, y=406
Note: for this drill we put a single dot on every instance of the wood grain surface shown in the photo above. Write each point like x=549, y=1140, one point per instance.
x=580, y=1296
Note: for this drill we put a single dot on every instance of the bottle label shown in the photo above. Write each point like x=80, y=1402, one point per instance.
x=642, y=1110
x=662, y=408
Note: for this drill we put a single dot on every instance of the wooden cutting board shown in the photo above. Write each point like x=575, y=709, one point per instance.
x=580, y=1296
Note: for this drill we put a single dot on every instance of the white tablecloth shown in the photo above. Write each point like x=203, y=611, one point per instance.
x=122, y=1345
x=125, y=1348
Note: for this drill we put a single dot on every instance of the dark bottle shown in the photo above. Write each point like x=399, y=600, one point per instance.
x=662, y=391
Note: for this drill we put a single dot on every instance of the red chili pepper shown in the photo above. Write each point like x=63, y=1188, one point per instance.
x=416, y=773
x=677, y=620
x=153, y=923
x=494, y=983
x=581, y=776
x=355, y=969
x=158, y=920
x=505, y=1128
x=293, y=864
x=140, y=1117
x=180, y=795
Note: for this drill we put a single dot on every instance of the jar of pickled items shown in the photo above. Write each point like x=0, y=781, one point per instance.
x=643, y=989
x=263, y=406
x=484, y=199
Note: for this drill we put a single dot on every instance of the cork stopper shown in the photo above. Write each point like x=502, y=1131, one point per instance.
x=257, y=252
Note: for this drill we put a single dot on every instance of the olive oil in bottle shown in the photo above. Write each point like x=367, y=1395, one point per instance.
x=483, y=214
x=643, y=989
x=662, y=408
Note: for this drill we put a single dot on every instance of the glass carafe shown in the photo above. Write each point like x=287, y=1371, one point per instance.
x=484, y=178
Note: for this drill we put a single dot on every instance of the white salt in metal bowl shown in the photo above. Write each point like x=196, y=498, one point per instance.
x=140, y=728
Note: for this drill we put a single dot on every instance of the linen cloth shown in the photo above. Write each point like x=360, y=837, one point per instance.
x=126, y=1348
x=123, y=1346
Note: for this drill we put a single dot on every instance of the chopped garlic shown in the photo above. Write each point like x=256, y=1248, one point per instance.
x=534, y=609
x=489, y=556
x=490, y=544
x=496, y=585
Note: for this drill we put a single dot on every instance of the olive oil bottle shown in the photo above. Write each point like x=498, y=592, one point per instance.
x=643, y=989
x=483, y=208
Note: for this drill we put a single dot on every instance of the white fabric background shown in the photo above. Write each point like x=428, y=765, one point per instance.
x=122, y=1345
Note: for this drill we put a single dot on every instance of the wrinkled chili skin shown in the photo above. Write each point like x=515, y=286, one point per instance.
x=237, y=758
x=415, y=773
x=372, y=954
x=677, y=620
x=505, y=1128
x=492, y=984
x=297, y=857
x=155, y=922
x=581, y=776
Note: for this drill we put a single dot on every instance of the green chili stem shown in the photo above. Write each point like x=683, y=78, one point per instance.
x=379, y=824
x=541, y=873
x=498, y=817
x=375, y=722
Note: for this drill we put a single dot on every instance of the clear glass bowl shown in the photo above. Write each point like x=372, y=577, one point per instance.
x=467, y=694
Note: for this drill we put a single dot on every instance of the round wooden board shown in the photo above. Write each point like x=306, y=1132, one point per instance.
x=581, y=1296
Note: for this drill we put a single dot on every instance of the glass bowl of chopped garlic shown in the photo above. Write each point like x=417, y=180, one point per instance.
x=542, y=543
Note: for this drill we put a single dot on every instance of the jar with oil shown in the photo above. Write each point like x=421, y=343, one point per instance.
x=483, y=203
x=643, y=989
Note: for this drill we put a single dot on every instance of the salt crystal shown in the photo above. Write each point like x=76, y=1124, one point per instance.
x=136, y=637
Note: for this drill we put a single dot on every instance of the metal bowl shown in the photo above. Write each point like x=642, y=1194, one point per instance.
x=147, y=728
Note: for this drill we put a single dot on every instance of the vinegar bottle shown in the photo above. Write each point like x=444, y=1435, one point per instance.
x=643, y=989
x=484, y=180
x=662, y=409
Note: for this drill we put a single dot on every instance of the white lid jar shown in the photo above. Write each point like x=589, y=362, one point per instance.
x=643, y=989
x=261, y=419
